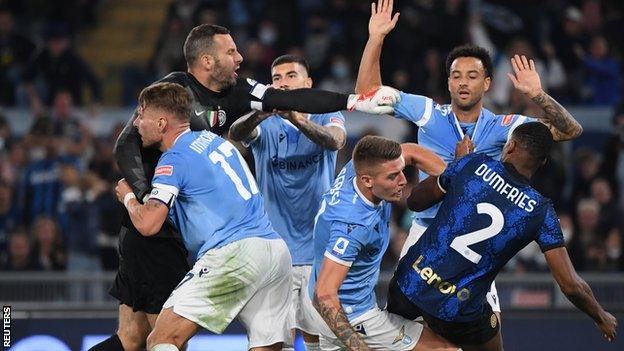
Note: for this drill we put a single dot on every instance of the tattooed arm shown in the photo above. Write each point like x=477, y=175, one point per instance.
x=147, y=218
x=328, y=137
x=244, y=128
x=327, y=303
x=526, y=79
x=560, y=122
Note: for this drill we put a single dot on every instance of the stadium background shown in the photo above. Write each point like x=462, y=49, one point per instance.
x=70, y=72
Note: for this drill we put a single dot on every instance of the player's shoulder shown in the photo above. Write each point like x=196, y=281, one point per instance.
x=472, y=160
x=441, y=111
x=507, y=120
x=181, y=78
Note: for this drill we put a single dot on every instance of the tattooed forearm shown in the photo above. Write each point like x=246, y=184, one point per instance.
x=148, y=218
x=329, y=308
x=245, y=127
x=561, y=123
x=332, y=138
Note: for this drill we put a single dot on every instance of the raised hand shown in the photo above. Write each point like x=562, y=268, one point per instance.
x=525, y=77
x=379, y=101
x=607, y=326
x=464, y=147
x=381, y=21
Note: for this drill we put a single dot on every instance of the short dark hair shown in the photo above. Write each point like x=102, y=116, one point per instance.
x=471, y=51
x=372, y=150
x=535, y=138
x=200, y=41
x=170, y=97
x=291, y=59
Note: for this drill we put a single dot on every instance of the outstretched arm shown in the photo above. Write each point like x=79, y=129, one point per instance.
x=380, y=24
x=328, y=137
x=327, y=303
x=244, y=128
x=423, y=159
x=526, y=79
x=578, y=292
x=425, y=194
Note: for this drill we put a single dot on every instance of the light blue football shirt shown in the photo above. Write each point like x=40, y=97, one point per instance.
x=352, y=231
x=439, y=130
x=215, y=198
x=293, y=173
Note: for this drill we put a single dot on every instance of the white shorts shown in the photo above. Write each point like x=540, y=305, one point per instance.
x=249, y=278
x=381, y=331
x=302, y=313
x=416, y=231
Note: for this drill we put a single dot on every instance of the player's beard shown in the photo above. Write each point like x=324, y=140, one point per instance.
x=469, y=105
x=223, y=76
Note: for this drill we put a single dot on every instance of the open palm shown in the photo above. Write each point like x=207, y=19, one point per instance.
x=525, y=77
x=381, y=21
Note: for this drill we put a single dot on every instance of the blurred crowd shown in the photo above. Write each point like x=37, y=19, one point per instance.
x=57, y=208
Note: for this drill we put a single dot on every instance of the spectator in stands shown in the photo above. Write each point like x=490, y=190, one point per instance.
x=19, y=255
x=59, y=67
x=40, y=187
x=612, y=167
x=15, y=50
x=587, y=164
x=613, y=247
x=75, y=138
x=588, y=235
x=169, y=56
x=8, y=218
x=48, y=249
x=80, y=221
x=340, y=78
x=603, y=73
x=610, y=214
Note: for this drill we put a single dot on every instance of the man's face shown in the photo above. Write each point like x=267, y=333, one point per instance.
x=290, y=75
x=467, y=82
x=150, y=123
x=388, y=180
x=227, y=60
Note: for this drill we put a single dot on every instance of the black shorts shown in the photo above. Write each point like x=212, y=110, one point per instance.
x=468, y=333
x=149, y=269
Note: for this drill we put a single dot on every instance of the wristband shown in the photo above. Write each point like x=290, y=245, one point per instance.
x=129, y=196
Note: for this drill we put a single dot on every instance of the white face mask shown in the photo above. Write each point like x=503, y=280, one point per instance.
x=267, y=36
x=36, y=153
x=614, y=253
x=567, y=235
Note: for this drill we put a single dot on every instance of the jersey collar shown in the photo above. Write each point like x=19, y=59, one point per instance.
x=359, y=193
x=474, y=132
x=181, y=134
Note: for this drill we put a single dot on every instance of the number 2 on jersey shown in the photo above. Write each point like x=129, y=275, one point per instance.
x=460, y=243
x=227, y=150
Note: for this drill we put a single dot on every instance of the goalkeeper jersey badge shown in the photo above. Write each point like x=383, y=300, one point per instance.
x=493, y=320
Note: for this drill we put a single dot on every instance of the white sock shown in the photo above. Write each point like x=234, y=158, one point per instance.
x=312, y=346
x=164, y=347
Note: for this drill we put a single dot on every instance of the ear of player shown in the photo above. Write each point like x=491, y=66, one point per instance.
x=379, y=101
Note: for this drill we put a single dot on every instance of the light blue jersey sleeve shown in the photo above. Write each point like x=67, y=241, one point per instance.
x=345, y=242
x=334, y=119
x=414, y=108
x=511, y=122
x=169, y=178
